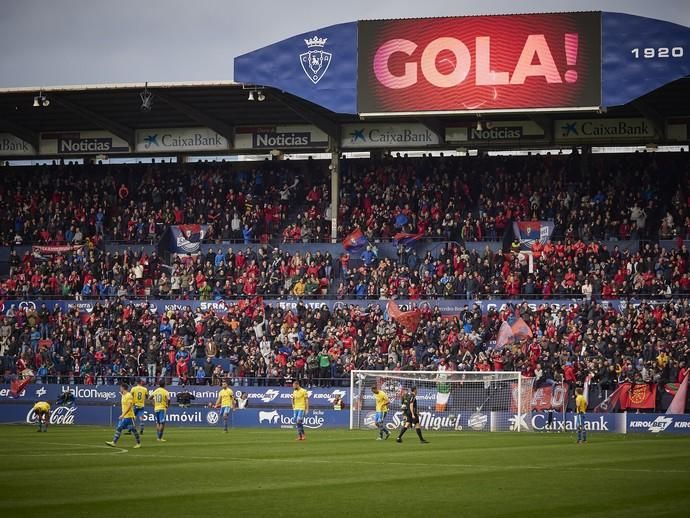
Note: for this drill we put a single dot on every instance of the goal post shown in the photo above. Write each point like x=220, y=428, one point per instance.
x=447, y=400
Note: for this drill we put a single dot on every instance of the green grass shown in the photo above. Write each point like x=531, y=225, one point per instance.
x=201, y=472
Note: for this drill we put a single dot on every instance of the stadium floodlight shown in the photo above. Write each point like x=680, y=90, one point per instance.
x=447, y=400
x=41, y=100
x=146, y=98
x=251, y=95
x=260, y=96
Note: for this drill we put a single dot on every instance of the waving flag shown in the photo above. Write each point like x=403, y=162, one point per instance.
x=505, y=335
x=405, y=238
x=355, y=241
x=612, y=403
x=529, y=232
x=521, y=330
x=677, y=406
x=408, y=319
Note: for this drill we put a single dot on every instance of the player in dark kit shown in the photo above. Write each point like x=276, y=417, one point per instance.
x=411, y=415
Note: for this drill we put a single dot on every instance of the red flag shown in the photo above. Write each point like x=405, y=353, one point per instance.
x=408, y=319
x=638, y=395
x=17, y=386
x=677, y=406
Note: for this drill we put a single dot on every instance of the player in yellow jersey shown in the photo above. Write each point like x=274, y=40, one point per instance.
x=126, y=420
x=139, y=394
x=580, y=409
x=42, y=412
x=382, y=404
x=300, y=406
x=161, y=402
x=226, y=402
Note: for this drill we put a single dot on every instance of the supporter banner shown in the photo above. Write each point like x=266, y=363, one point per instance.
x=658, y=423
x=529, y=232
x=179, y=139
x=447, y=307
x=398, y=135
x=638, y=395
x=480, y=63
x=280, y=137
x=501, y=131
x=319, y=66
x=14, y=146
x=569, y=130
x=186, y=239
x=550, y=397
x=640, y=55
x=203, y=394
x=82, y=143
x=55, y=249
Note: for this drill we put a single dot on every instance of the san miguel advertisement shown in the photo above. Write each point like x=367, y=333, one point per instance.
x=480, y=63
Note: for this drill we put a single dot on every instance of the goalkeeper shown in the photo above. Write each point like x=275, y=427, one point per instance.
x=411, y=415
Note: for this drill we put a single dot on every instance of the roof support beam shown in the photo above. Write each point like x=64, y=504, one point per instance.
x=657, y=120
x=124, y=132
x=546, y=124
x=20, y=131
x=217, y=125
x=326, y=125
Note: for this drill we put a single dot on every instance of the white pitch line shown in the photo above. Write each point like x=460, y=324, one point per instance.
x=75, y=454
x=481, y=467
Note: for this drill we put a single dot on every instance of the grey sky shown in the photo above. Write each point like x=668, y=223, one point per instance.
x=57, y=42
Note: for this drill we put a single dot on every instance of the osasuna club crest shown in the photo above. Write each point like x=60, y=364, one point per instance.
x=315, y=62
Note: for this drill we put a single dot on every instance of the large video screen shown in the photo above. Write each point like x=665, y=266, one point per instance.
x=480, y=63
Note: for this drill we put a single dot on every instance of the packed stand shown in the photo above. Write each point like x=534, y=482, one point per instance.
x=560, y=269
x=599, y=197
x=67, y=204
x=220, y=273
x=269, y=345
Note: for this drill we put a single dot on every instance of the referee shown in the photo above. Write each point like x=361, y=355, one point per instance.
x=411, y=414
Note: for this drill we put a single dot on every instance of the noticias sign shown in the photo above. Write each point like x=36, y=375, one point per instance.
x=496, y=131
x=81, y=143
x=281, y=137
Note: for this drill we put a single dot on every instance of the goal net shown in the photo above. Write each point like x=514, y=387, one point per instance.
x=474, y=401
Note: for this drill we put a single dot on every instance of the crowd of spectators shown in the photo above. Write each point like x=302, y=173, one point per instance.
x=594, y=197
x=134, y=203
x=598, y=197
x=458, y=199
x=265, y=344
x=559, y=269
x=569, y=268
x=90, y=272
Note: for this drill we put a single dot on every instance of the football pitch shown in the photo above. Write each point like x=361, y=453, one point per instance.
x=69, y=471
